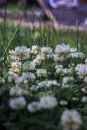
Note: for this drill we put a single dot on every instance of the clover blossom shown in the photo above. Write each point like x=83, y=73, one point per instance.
x=17, y=103
x=48, y=102
x=71, y=119
x=22, y=52
x=33, y=107
x=41, y=72
x=62, y=49
x=81, y=70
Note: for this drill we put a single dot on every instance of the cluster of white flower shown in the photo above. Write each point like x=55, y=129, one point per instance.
x=2, y=80
x=29, y=75
x=28, y=66
x=22, y=52
x=86, y=60
x=62, y=49
x=77, y=55
x=12, y=56
x=81, y=70
x=63, y=102
x=15, y=66
x=70, y=119
x=52, y=83
x=59, y=69
x=17, y=103
x=46, y=50
x=67, y=79
x=41, y=72
x=12, y=76
x=17, y=91
x=84, y=99
x=24, y=79
x=35, y=49
x=46, y=102
x=33, y=107
x=45, y=84
x=37, y=61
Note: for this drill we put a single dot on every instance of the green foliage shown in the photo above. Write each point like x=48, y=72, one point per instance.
x=43, y=36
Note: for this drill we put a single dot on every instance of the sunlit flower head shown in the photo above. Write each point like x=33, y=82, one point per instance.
x=15, y=67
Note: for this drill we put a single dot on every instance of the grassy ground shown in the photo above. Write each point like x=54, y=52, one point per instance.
x=46, y=36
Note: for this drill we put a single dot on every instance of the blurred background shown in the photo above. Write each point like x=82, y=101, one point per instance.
x=65, y=11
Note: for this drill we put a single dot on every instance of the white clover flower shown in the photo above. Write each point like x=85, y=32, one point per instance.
x=33, y=87
x=62, y=49
x=59, y=69
x=50, y=56
x=12, y=76
x=40, y=57
x=21, y=82
x=17, y=103
x=35, y=49
x=15, y=66
x=63, y=102
x=41, y=72
x=67, y=70
x=84, y=99
x=22, y=52
x=81, y=70
x=70, y=119
x=85, y=79
x=75, y=99
x=86, y=60
x=12, y=56
x=33, y=107
x=52, y=83
x=17, y=91
x=73, y=50
x=77, y=55
x=31, y=76
x=46, y=50
x=11, y=52
x=36, y=61
x=48, y=102
x=67, y=79
x=42, y=84
x=57, y=58
x=2, y=80
x=84, y=89
x=28, y=66
x=28, y=76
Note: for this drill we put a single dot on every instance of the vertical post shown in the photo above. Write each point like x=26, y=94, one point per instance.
x=48, y=13
x=24, y=4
